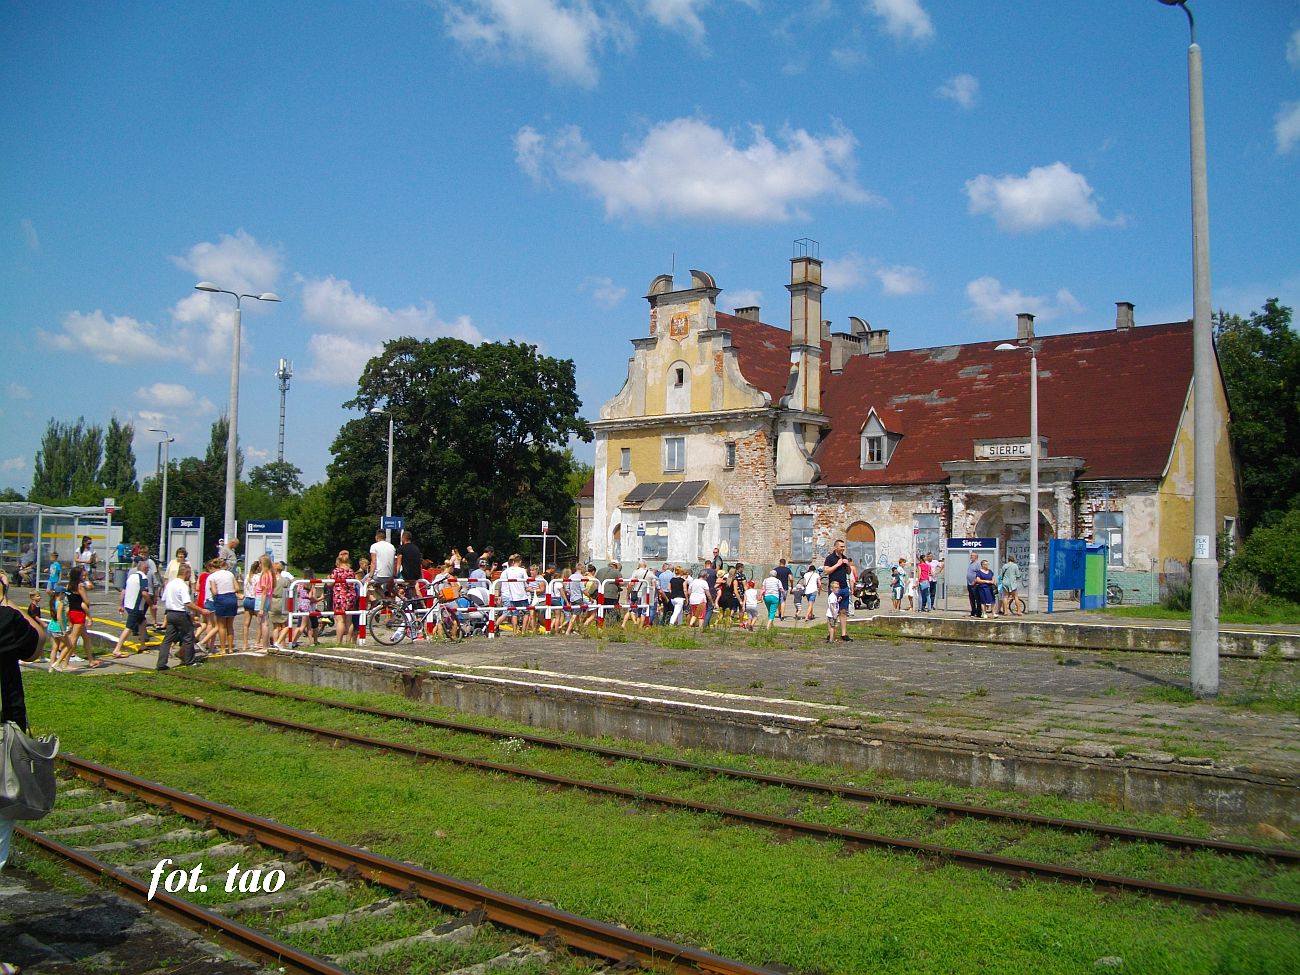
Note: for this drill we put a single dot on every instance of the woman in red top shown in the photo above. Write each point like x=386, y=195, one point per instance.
x=345, y=596
x=78, y=613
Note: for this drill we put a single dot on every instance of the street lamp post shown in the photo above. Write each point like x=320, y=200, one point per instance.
x=165, y=443
x=1205, y=564
x=232, y=467
x=1032, y=605
x=388, y=503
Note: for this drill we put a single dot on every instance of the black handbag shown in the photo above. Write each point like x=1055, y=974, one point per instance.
x=27, y=783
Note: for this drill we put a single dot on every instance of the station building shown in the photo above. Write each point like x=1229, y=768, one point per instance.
x=769, y=442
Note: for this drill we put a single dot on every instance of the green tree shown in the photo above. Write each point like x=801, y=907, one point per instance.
x=479, y=443
x=67, y=464
x=318, y=519
x=1260, y=360
x=117, y=473
x=1272, y=556
x=279, y=479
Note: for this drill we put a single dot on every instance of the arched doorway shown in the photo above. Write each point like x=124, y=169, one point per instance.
x=1008, y=522
x=860, y=544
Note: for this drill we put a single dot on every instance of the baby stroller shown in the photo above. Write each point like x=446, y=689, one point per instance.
x=471, y=618
x=865, y=593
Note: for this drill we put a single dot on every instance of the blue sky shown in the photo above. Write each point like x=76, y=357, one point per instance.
x=522, y=169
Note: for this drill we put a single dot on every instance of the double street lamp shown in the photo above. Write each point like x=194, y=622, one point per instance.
x=165, y=444
x=1205, y=564
x=1032, y=604
x=388, y=502
x=232, y=467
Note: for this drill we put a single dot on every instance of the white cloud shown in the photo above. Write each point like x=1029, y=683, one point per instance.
x=256, y=455
x=904, y=19
x=842, y=273
x=741, y=298
x=355, y=326
x=901, y=279
x=563, y=36
x=686, y=168
x=1293, y=49
x=13, y=465
x=237, y=263
x=680, y=15
x=17, y=391
x=853, y=270
x=117, y=340
x=848, y=58
x=174, y=398
x=30, y=237
x=995, y=304
x=964, y=89
x=1047, y=196
x=1286, y=127
x=604, y=292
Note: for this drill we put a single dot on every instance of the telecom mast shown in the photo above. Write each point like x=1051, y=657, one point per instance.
x=284, y=373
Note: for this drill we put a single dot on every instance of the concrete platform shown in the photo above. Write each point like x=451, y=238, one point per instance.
x=1101, y=725
x=1097, y=710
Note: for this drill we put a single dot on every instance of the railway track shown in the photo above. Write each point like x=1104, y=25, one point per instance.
x=461, y=920
x=829, y=790
x=787, y=824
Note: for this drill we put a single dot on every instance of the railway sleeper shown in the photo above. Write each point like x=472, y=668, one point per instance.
x=183, y=835
x=143, y=819
x=460, y=934
x=283, y=898
x=194, y=856
x=380, y=908
x=529, y=954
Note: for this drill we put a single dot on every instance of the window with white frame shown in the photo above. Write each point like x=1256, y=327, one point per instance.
x=1108, y=529
x=625, y=459
x=801, y=538
x=729, y=454
x=873, y=450
x=655, y=543
x=674, y=454
x=729, y=537
x=1229, y=537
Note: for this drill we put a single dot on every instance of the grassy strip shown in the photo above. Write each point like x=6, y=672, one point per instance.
x=1149, y=861
x=737, y=891
x=1270, y=612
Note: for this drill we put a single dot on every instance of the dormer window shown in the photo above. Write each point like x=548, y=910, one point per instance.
x=877, y=443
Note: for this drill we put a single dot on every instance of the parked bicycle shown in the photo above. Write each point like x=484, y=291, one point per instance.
x=391, y=623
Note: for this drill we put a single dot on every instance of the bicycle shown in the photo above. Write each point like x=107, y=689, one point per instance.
x=390, y=624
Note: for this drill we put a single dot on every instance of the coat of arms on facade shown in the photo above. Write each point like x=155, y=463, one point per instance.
x=679, y=325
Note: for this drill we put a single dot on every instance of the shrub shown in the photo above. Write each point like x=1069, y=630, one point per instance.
x=1272, y=555
x=1178, y=596
x=1241, y=592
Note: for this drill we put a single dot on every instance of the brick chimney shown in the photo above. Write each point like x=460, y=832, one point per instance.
x=749, y=312
x=806, y=290
x=1024, y=327
x=1123, y=315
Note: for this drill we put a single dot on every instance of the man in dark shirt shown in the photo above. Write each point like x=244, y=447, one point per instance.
x=837, y=570
x=710, y=575
x=410, y=560
x=783, y=575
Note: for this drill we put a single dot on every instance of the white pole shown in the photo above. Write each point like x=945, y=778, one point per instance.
x=1205, y=565
x=1033, y=480
x=232, y=434
x=164, y=555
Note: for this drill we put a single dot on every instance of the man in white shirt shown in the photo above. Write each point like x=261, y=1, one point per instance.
x=135, y=603
x=514, y=589
x=383, y=563
x=180, y=607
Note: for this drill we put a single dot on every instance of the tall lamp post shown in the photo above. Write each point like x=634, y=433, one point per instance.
x=1205, y=563
x=165, y=444
x=1032, y=606
x=388, y=503
x=232, y=467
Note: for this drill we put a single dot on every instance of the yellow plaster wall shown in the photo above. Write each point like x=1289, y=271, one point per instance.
x=1175, y=494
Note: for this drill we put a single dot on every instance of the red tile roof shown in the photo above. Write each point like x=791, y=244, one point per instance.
x=1112, y=397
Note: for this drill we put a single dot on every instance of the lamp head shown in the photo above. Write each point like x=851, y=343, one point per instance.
x=1005, y=347
x=206, y=286
x=1173, y=3
x=376, y=411
x=268, y=296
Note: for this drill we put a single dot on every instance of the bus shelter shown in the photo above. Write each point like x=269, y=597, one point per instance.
x=49, y=531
